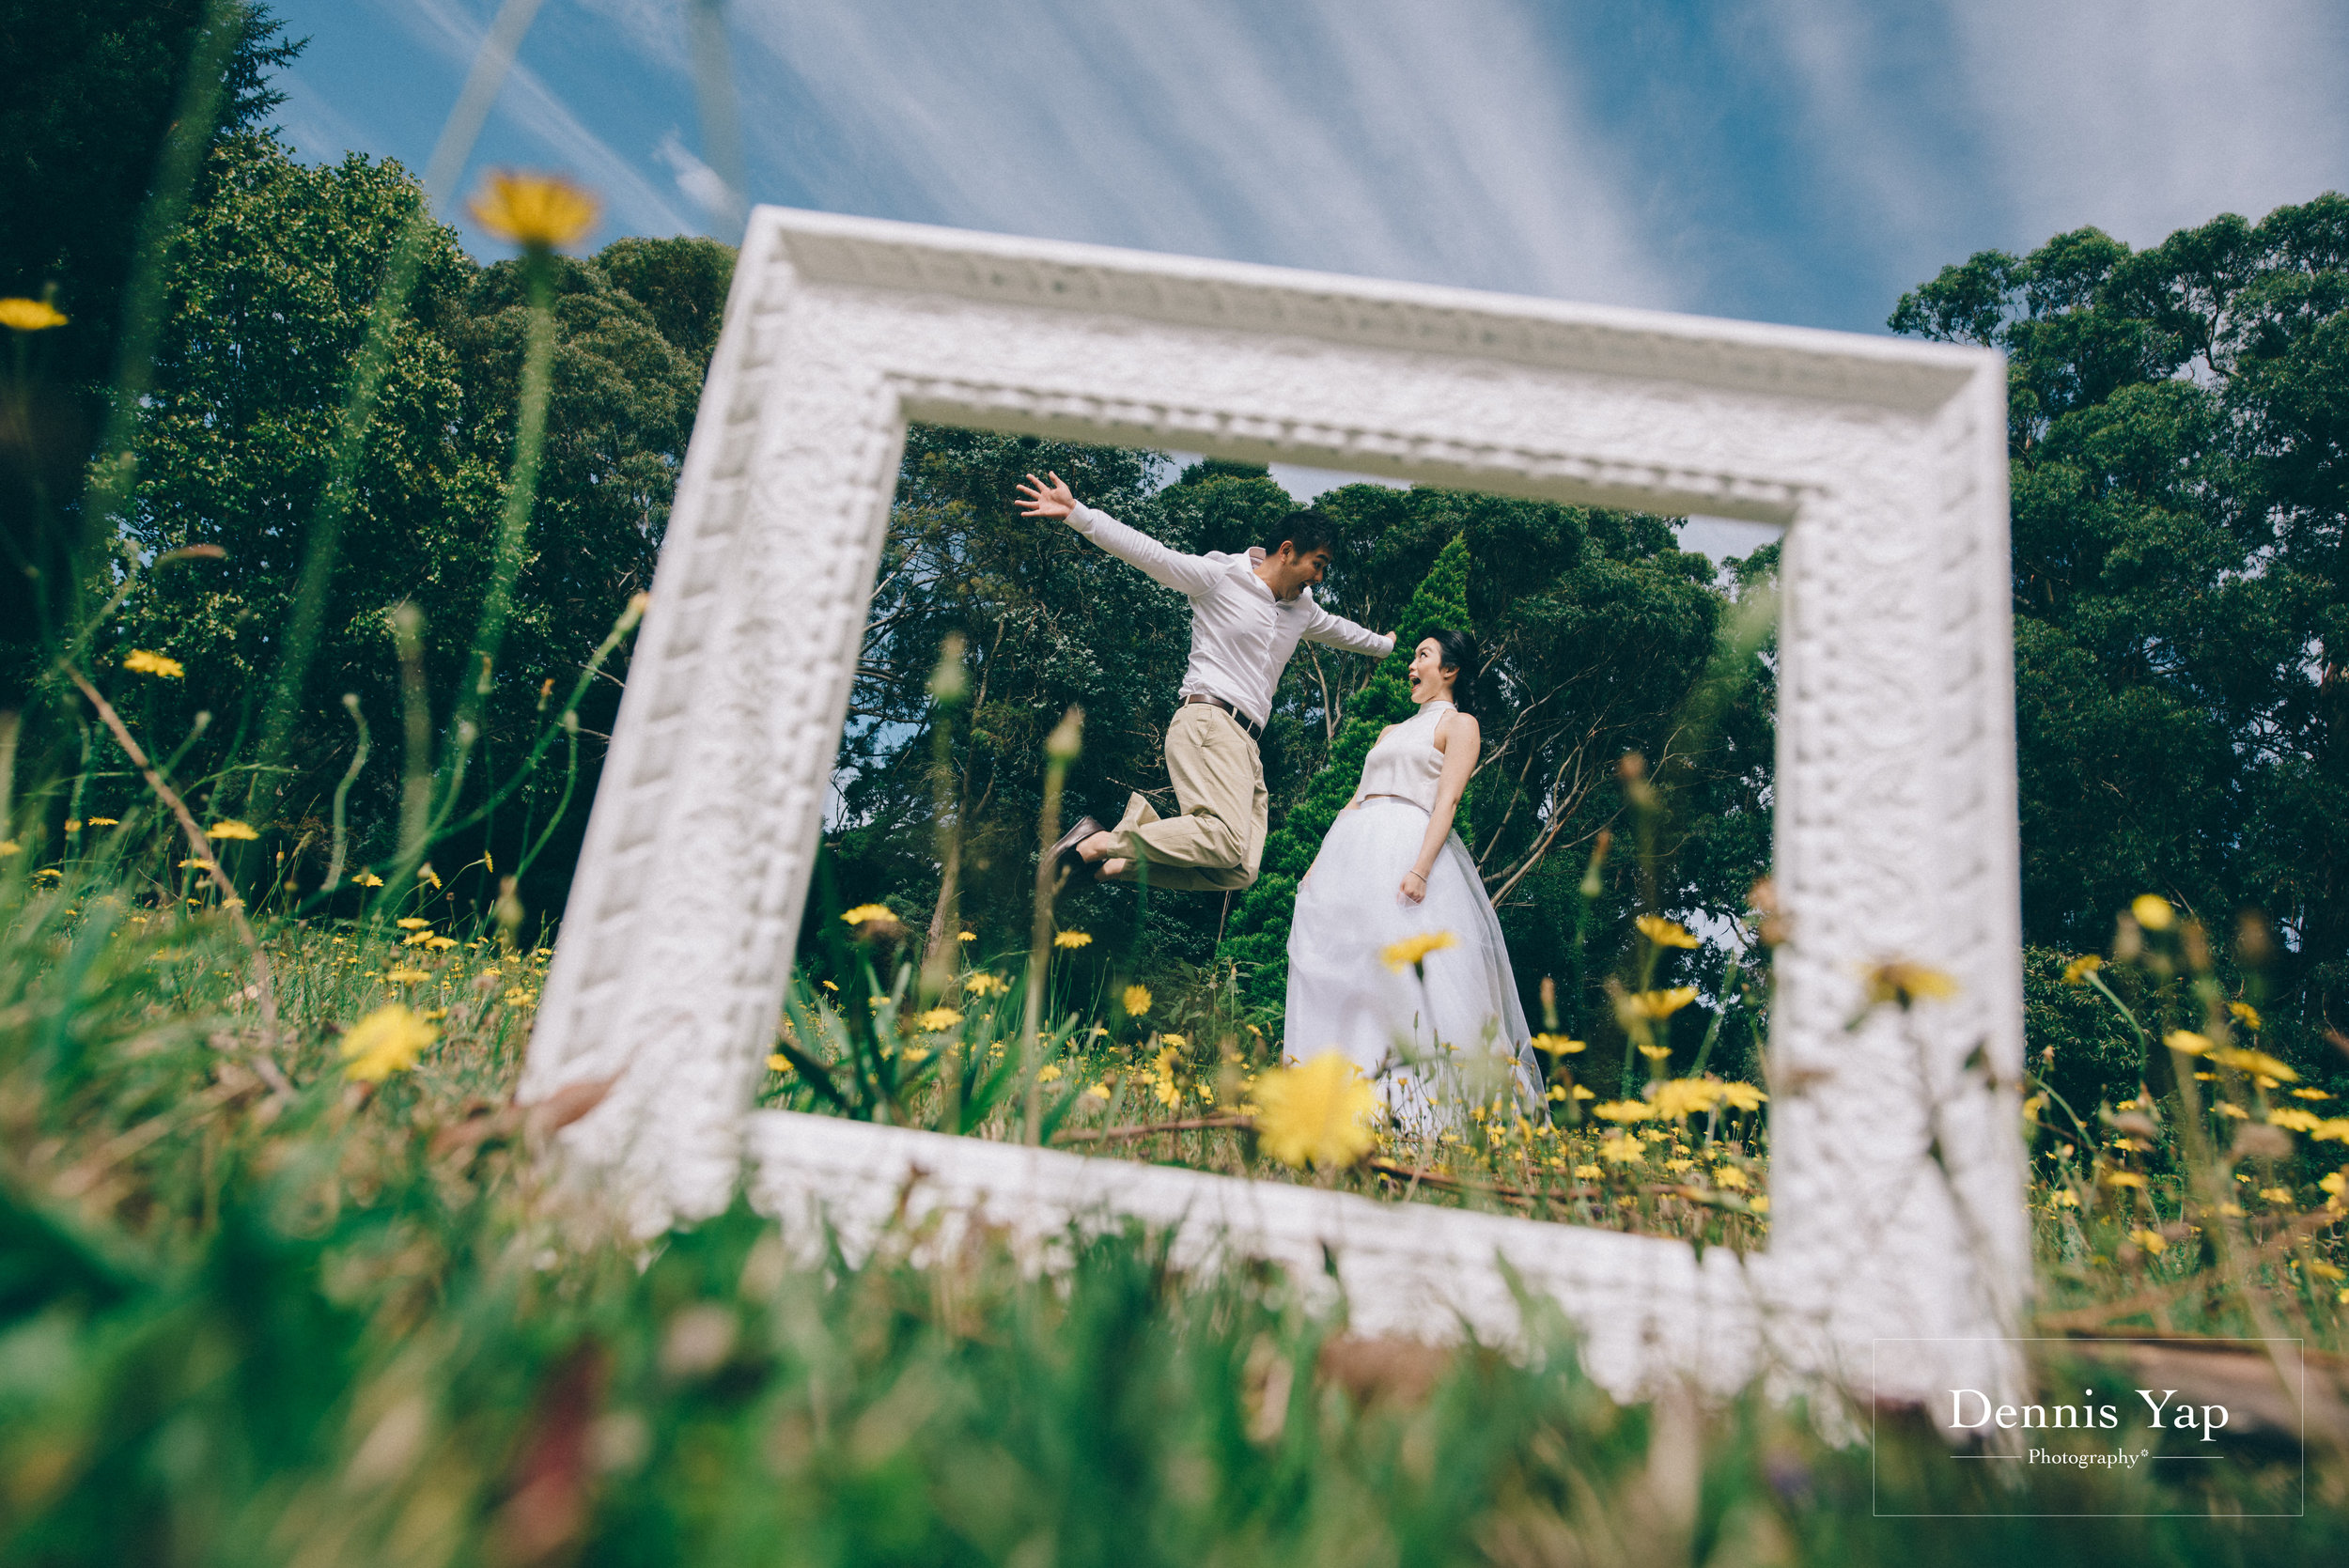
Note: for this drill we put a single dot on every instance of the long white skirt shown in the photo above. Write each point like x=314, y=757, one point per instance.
x=1432, y=1047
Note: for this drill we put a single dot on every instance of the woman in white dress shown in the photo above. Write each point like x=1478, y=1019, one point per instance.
x=1391, y=868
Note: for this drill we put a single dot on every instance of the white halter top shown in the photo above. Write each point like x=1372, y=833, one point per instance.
x=1404, y=762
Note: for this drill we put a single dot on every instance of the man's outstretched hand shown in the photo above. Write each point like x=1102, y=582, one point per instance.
x=1039, y=499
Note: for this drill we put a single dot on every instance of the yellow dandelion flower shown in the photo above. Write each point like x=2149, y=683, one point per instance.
x=2294, y=1117
x=2079, y=970
x=2226, y=1108
x=1558, y=1045
x=1098, y=1091
x=1624, y=1110
x=1586, y=1172
x=1759, y=1205
x=1905, y=984
x=939, y=1018
x=2258, y=1063
x=367, y=879
x=1411, y=952
x=1621, y=1150
x=1173, y=1042
x=2325, y=1270
x=2333, y=1128
x=985, y=984
x=1665, y=933
x=105, y=822
x=1136, y=1000
x=1655, y=1006
x=539, y=212
x=2311, y=1094
x=1047, y=1073
x=386, y=1041
x=2150, y=1240
x=425, y=874
x=1730, y=1176
x=1582, y=1093
x=2064, y=1198
x=1686, y=1096
x=968, y=936
x=9, y=846
x=231, y=828
x=2185, y=1042
x=2123, y=1178
x=142, y=661
x=1317, y=1114
x=1072, y=938
x=2152, y=911
x=2277, y=1194
x=404, y=975
x=19, y=314
x=2246, y=1014
x=779, y=1063
x=195, y=863
x=440, y=944
x=411, y=922
x=865, y=914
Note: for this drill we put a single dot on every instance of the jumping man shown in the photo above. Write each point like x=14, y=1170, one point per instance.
x=1247, y=617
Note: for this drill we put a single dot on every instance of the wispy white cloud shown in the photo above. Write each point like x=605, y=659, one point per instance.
x=315, y=128
x=702, y=184
x=1380, y=136
x=636, y=205
x=2145, y=116
x=1981, y=123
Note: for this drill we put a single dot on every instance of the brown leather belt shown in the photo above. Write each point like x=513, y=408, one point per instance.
x=1255, y=731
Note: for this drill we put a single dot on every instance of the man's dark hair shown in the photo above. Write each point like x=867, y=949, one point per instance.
x=1305, y=531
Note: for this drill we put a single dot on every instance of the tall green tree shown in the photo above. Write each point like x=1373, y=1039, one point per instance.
x=2179, y=419
x=268, y=290
x=87, y=95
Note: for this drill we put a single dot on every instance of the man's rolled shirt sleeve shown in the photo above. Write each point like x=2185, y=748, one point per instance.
x=1336, y=631
x=1187, y=574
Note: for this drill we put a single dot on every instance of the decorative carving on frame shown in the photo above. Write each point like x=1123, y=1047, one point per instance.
x=1897, y=1172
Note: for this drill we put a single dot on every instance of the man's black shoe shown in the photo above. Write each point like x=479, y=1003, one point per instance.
x=1065, y=850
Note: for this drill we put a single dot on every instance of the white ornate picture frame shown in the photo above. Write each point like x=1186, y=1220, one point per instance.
x=1897, y=1166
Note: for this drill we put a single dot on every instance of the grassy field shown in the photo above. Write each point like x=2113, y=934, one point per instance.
x=254, y=1308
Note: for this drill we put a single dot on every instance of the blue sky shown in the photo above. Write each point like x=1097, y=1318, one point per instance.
x=1799, y=160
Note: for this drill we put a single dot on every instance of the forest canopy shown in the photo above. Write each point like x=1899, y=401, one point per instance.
x=2180, y=446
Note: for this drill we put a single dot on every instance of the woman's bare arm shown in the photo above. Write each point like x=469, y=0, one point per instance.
x=1458, y=737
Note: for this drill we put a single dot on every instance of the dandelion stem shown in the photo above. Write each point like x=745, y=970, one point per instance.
x=521, y=491
x=373, y=361
x=342, y=792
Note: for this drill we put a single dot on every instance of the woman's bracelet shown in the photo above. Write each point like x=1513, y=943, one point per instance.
x=1421, y=875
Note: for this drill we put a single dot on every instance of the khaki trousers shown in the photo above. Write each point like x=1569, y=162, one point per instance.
x=1217, y=844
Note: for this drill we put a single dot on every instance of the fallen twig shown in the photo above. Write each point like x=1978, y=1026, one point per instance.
x=2087, y=1319
x=265, y=1061
x=1146, y=1129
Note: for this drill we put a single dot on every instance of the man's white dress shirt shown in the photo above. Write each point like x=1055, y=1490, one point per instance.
x=1241, y=637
